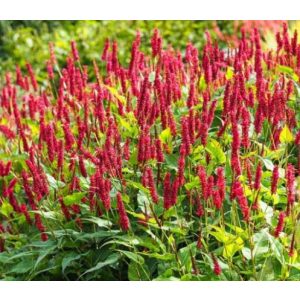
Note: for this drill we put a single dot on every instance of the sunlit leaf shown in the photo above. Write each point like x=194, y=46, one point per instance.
x=285, y=135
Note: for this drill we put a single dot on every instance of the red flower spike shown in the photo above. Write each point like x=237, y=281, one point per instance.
x=203, y=181
x=32, y=76
x=105, y=50
x=280, y=224
x=50, y=70
x=124, y=220
x=82, y=166
x=217, y=200
x=217, y=267
x=221, y=183
x=258, y=175
x=167, y=191
x=151, y=185
x=274, y=181
x=44, y=237
x=9, y=134
x=159, y=152
x=238, y=193
x=74, y=51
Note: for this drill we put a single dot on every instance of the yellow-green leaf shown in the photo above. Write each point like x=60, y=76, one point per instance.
x=289, y=71
x=165, y=135
x=214, y=148
x=74, y=198
x=285, y=135
x=231, y=248
x=115, y=93
x=232, y=243
x=6, y=209
x=229, y=73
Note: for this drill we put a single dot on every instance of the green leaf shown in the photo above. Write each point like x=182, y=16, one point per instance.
x=4, y=256
x=138, y=186
x=261, y=243
x=172, y=161
x=267, y=211
x=143, y=201
x=133, y=256
x=289, y=71
x=277, y=248
x=24, y=266
x=156, y=240
x=137, y=272
x=68, y=259
x=194, y=183
x=268, y=164
x=110, y=260
x=14, y=157
x=267, y=271
x=131, y=128
x=52, y=215
x=165, y=256
x=74, y=198
x=96, y=235
x=42, y=255
x=185, y=255
x=21, y=255
x=100, y=222
x=54, y=184
x=214, y=148
x=246, y=253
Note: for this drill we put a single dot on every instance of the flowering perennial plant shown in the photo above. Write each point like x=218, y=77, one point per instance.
x=173, y=166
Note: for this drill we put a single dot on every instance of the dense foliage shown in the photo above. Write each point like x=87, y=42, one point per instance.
x=34, y=36
x=168, y=167
x=28, y=40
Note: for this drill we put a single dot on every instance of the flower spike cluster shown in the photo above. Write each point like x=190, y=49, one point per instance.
x=164, y=141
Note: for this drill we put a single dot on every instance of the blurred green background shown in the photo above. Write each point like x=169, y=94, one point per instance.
x=28, y=40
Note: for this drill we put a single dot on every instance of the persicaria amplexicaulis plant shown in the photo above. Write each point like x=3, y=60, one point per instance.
x=182, y=158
